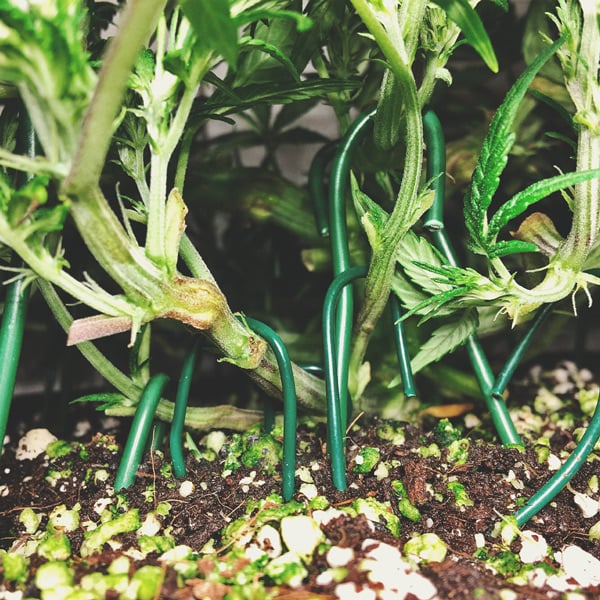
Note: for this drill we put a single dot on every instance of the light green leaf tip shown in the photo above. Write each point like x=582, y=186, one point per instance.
x=465, y=16
x=214, y=27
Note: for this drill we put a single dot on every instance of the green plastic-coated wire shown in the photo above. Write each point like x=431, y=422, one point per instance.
x=340, y=252
x=560, y=479
x=336, y=403
x=289, y=403
x=408, y=381
x=15, y=309
x=577, y=458
x=11, y=340
x=313, y=369
x=316, y=178
x=516, y=355
x=140, y=429
x=181, y=401
x=434, y=223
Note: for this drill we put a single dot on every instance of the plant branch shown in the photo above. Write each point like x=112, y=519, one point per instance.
x=378, y=282
x=138, y=22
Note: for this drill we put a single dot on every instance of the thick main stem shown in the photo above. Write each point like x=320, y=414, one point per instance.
x=378, y=282
x=586, y=205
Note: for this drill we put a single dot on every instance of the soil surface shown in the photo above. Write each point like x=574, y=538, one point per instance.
x=442, y=477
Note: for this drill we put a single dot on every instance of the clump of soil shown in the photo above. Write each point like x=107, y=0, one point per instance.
x=428, y=503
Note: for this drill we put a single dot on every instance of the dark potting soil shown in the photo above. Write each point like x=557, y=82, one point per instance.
x=461, y=501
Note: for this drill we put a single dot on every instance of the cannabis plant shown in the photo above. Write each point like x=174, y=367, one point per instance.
x=139, y=94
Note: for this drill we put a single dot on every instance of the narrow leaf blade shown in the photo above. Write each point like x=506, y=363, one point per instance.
x=465, y=16
x=494, y=154
x=445, y=339
x=534, y=193
x=214, y=27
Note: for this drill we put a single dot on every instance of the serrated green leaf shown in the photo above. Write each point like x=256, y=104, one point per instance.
x=303, y=23
x=465, y=16
x=415, y=251
x=510, y=247
x=105, y=400
x=534, y=193
x=445, y=340
x=411, y=297
x=214, y=27
x=494, y=155
x=408, y=294
x=373, y=217
x=273, y=52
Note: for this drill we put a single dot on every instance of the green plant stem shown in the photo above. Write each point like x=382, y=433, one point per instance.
x=101, y=364
x=378, y=283
x=138, y=21
x=162, y=153
x=155, y=225
x=586, y=205
x=223, y=416
x=198, y=418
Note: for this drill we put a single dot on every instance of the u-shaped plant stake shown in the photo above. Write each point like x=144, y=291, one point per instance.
x=140, y=429
x=337, y=417
x=14, y=312
x=340, y=252
x=493, y=390
x=434, y=223
x=289, y=408
x=181, y=401
x=289, y=404
x=337, y=403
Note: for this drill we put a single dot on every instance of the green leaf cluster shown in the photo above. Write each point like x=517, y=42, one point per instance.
x=484, y=230
x=42, y=52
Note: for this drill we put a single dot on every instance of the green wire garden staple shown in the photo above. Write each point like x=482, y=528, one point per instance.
x=340, y=253
x=14, y=312
x=434, y=223
x=560, y=479
x=337, y=409
x=11, y=339
x=337, y=403
x=181, y=401
x=316, y=178
x=406, y=372
x=141, y=426
x=289, y=403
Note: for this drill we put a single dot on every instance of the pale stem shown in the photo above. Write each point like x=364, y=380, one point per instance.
x=155, y=231
x=138, y=22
